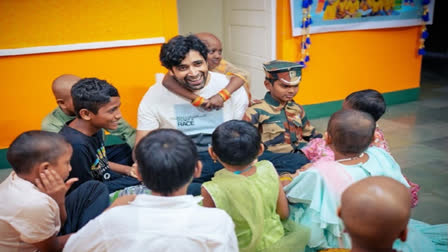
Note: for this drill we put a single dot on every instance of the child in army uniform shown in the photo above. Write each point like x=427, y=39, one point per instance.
x=282, y=123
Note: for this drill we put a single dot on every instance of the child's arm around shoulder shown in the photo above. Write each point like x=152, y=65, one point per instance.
x=172, y=85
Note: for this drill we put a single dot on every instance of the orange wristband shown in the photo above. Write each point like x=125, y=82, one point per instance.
x=198, y=101
x=225, y=94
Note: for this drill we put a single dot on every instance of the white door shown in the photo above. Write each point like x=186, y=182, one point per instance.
x=249, y=37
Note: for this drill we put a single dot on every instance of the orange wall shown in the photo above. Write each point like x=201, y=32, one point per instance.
x=26, y=80
x=343, y=62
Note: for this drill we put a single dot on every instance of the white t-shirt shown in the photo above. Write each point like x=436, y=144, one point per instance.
x=26, y=215
x=160, y=108
x=155, y=223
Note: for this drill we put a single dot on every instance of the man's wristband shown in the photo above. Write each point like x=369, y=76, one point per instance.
x=198, y=101
x=225, y=94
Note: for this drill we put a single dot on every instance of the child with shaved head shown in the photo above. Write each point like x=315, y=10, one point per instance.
x=375, y=212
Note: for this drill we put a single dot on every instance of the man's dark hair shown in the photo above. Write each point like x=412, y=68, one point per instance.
x=35, y=147
x=236, y=142
x=166, y=160
x=91, y=94
x=369, y=101
x=173, y=52
x=351, y=131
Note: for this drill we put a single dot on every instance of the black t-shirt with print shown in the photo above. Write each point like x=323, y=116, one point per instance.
x=89, y=160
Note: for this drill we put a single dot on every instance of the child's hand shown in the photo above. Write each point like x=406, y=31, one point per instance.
x=52, y=184
x=133, y=171
x=207, y=105
x=216, y=102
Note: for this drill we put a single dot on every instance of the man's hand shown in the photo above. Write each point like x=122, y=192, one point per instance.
x=52, y=184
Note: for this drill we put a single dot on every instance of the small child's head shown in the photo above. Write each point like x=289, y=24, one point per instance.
x=214, y=47
x=368, y=100
x=98, y=102
x=167, y=161
x=34, y=151
x=282, y=79
x=236, y=143
x=350, y=131
x=375, y=212
x=61, y=87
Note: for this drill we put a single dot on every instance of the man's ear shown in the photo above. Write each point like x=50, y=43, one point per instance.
x=404, y=234
x=85, y=114
x=197, y=169
x=338, y=212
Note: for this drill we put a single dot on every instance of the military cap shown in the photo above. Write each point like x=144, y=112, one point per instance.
x=289, y=73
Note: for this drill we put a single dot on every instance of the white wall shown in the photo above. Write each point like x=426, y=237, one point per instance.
x=200, y=16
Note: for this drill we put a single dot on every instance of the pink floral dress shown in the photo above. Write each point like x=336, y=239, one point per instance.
x=317, y=149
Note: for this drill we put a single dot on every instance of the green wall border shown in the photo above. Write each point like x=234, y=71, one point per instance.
x=313, y=111
x=325, y=109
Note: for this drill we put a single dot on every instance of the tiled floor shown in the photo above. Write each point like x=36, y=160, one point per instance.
x=418, y=136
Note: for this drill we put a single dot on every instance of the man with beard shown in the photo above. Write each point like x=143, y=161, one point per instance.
x=185, y=57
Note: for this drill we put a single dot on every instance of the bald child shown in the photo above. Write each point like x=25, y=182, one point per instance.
x=65, y=111
x=375, y=212
x=237, y=77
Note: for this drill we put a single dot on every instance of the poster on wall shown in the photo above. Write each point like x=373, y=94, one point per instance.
x=347, y=15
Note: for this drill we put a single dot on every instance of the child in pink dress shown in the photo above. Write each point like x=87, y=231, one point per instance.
x=372, y=102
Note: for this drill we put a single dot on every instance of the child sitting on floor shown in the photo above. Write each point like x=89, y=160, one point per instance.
x=369, y=101
x=35, y=214
x=97, y=107
x=250, y=191
x=167, y=220
x=375, y=212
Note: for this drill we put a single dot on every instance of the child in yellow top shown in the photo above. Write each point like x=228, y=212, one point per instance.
x=330, y=10
x=341, y=6
x=351, y=9
x=388, y=6
x=377, y=6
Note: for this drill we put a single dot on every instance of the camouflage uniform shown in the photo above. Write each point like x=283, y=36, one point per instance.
x=283, y=128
